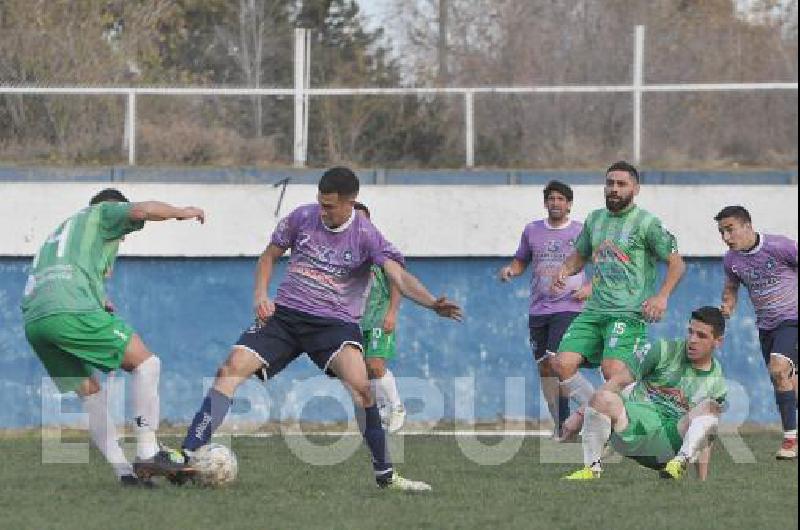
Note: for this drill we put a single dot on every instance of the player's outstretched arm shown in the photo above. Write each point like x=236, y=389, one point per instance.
x=161, y=211
x=513, y=269
x=263, y=307
x=390, y=319
x=414, y=290
x=730, y=294
x=653, y=308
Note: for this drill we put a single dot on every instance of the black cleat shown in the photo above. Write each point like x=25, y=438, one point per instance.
x=132, y=481
x=167, y=463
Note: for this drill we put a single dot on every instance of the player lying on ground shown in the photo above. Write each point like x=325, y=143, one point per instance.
x=668, y=417
x=317, y=311
x=378, y=326
x=71, y=326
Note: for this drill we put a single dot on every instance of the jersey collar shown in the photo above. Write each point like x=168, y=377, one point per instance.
x=551, y=227
x=758, y=246
x=344, y=226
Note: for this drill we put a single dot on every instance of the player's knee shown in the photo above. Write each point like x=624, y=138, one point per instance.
x=375, y=370
x=780, y=371
x=88, y=387
x=362, y=395
x=548, y=367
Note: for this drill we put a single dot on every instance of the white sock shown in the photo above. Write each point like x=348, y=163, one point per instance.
x=104, y=433
x=697, y=435
x=388, y=387
x=578, y=388
x=596, y=432
x=146, y=406
x=792, y=435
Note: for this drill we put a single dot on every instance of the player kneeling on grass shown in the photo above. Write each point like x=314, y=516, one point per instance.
x=70, y=325
x=316, y=312
x=669, y=417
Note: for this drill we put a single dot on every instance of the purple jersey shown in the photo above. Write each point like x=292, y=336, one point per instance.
x=769, y=272
x=329, y=269
x=548, y=248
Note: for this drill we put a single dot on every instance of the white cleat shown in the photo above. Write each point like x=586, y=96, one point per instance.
x=399, y=483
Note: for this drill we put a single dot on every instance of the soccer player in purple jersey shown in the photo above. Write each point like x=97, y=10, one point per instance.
x=767, y=266
x=545, y=244
x=317, y=312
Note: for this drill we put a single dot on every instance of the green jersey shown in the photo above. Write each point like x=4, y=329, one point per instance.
x=68, y=272
x=670, y=382
x=623, y=248
x=377, y=300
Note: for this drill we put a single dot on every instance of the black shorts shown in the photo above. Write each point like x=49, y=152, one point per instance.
x=780, y=341
x=289, y=333
x=546, y=332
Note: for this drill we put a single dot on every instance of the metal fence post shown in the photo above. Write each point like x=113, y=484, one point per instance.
x=469, y=134
x=638, y=81
x=130, y=129
x=299, y=95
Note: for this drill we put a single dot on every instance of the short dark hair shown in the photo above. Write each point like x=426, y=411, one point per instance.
x=339, y=180
x=108, y=195
x=626, y=167
x=712, y=316
x=361, y=206
x=738, y=212
x=560, y=187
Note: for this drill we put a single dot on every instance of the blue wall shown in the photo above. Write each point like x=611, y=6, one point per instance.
x=190, y=311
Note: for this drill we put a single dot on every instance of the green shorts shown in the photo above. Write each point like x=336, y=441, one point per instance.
x=597, y=337
x=378, y=343
x=71, y=345
x=652, y=436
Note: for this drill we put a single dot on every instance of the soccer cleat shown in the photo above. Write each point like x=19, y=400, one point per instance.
x=398, y=483
x=396, y=418
x=788, y=450
x=132, y=481
x=674, y=469
x=585, y=473
x=169, y=463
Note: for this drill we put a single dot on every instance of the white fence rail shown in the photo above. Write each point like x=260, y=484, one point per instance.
x=302, y=94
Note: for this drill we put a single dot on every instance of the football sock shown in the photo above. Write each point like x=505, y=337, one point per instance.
x=388, y=386
x=700, y=430
x=563, y=411
x=210, y=416
x=145, y=378
x=369, y=422
x=787, y=406
x=103, y=432
x=596, y=432
x=578, y=388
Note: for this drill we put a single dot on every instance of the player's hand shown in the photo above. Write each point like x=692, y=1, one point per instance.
x=505, y=274
x=263, y=307
x=447, y=308
x=653, y=308
x=109, y=307
x=558, y=281
x=726, y=310
x=583, y=292
x=191, y=212
x=389, y=322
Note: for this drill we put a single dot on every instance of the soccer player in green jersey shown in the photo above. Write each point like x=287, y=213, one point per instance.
x=378, y=324
x=670, y=416
x=623, y=243
x=70, y=325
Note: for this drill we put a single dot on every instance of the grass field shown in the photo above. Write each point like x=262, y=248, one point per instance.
x=276, y=490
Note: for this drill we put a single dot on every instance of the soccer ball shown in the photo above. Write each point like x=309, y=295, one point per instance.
x=216, y=465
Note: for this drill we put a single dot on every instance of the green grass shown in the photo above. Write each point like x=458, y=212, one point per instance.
x=277, y=490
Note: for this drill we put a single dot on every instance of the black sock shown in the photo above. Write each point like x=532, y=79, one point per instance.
x=210, y=416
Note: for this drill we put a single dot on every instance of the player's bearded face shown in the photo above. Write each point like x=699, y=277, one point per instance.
x=620, y=189
x=335, y=210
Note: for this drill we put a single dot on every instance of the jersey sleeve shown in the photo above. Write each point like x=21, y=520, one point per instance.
x=652, y=358
x=660, y=241
x=378, y=249
x=115, y=220
x=523, y=252
x=786, y=251
x=727, y=265
x=286, y=232
x=583, y=244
